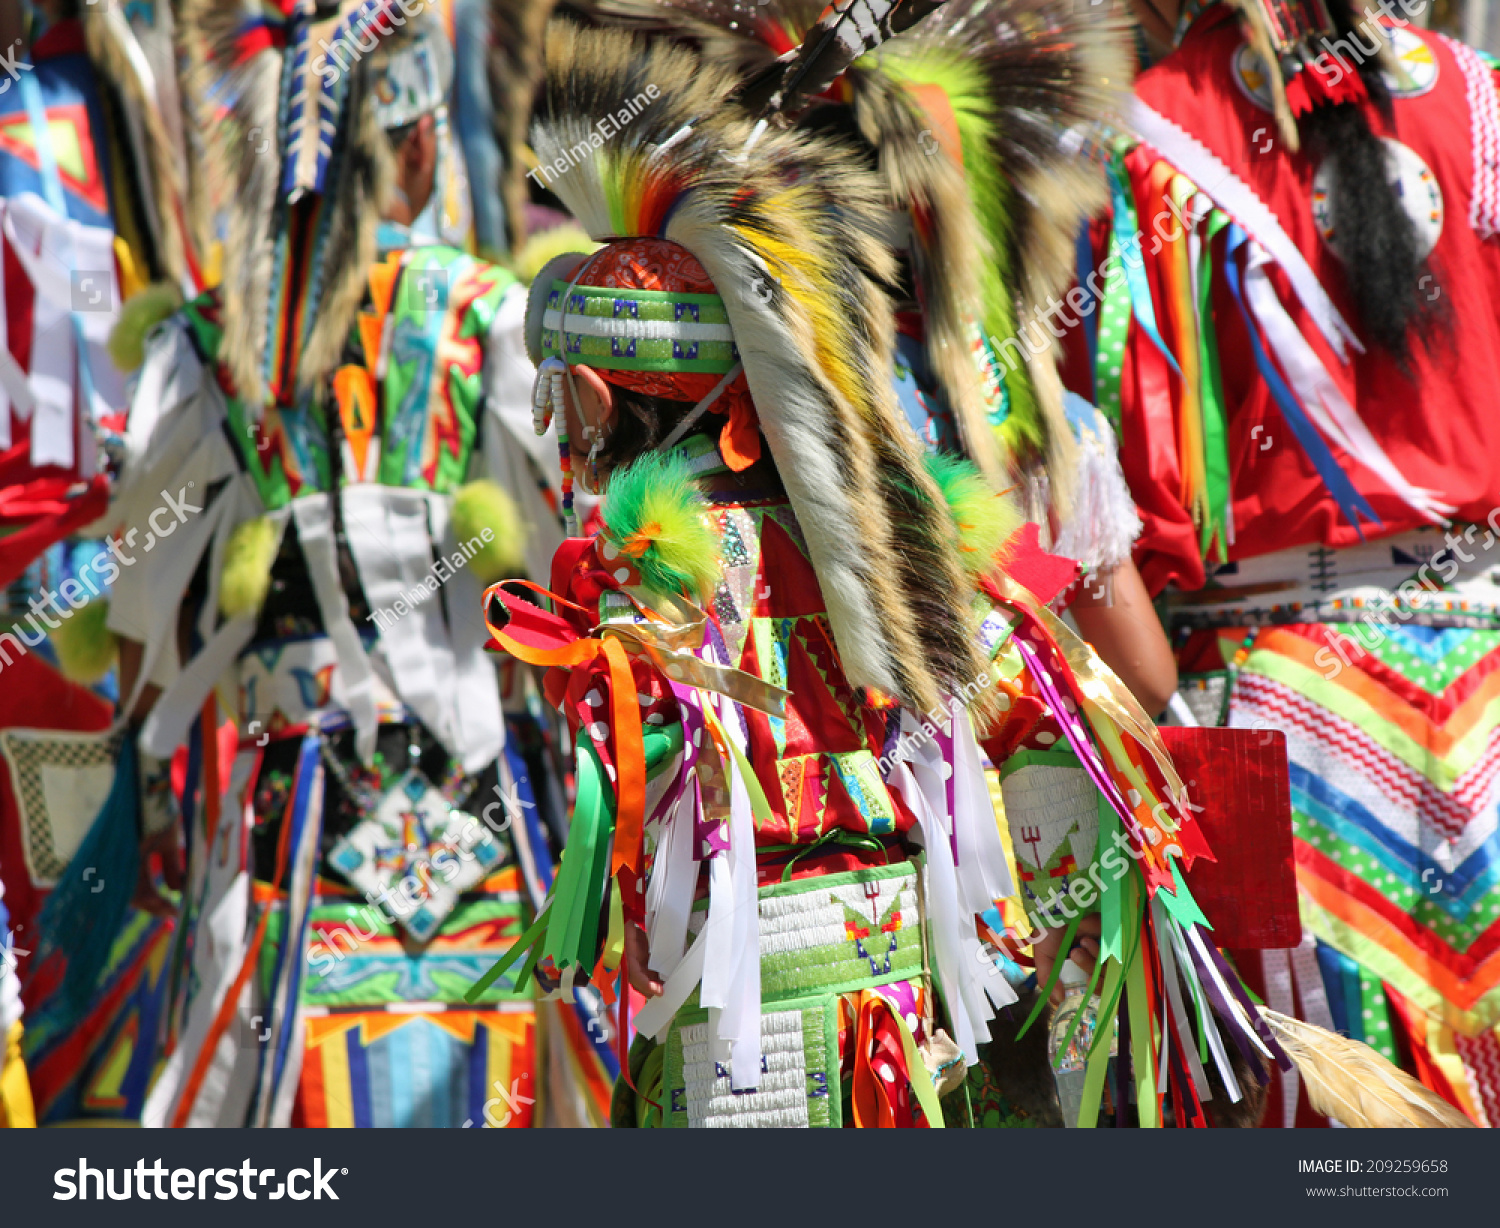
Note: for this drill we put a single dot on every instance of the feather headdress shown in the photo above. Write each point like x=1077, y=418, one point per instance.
x=974, y=114
x=785, y=226
x=302, y=167
x=135, y=52
x=1288, y=35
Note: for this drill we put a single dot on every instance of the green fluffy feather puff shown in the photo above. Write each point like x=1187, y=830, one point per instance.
x=248, y=557
x=984, y=519
x=653, y=513
x=139, y=314
x=483, y=505
x=85, y=647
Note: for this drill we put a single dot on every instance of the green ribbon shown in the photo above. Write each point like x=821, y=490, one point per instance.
x=578, y=895
x=521, y=946
x=1215, y=429
x=1111, y=924
x=1098, y=1064
x=1114, y=331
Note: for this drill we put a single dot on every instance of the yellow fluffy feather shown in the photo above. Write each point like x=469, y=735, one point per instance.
x=1351, y=1083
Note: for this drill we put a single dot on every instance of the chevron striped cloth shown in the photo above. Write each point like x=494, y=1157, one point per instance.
x=1393, y=735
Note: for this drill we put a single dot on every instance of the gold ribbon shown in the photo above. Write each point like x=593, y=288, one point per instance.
x=668, y=642
x=1100, y=686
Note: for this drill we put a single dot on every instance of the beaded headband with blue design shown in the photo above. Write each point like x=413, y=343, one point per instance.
x=638, y=330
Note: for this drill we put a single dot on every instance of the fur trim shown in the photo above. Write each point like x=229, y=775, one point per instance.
x=483, y=506
x=244, y=167
x=154, y=127
x=786, y=226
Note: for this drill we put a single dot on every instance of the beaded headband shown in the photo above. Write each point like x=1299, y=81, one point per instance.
x=638, y=330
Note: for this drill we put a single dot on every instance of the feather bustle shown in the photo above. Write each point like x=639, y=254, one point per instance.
x=790, y=238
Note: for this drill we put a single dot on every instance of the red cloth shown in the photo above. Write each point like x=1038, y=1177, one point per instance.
x=34, y=695
x=1239, y=779
x=45, y=516
x=1438, y=427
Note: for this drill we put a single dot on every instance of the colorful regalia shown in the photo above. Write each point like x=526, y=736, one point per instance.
x=787, y=644
x=1291, y=317
x=365, y=795
x=96, y=243
x=975, y=118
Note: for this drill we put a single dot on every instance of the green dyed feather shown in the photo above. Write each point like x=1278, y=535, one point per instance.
x=963, y=81
x=487, y=519
x=654, y=514
x=984, y=520
x=84, y=644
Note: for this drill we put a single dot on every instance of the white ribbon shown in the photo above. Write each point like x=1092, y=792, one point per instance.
x=1278, y=973
x=669, y=892
x=1238, y=199
x=1320, y=396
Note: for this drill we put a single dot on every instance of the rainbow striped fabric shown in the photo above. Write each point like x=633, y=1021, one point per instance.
x=1394, y=747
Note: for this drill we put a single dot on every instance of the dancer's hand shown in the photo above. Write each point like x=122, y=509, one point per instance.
x=637, y=961
x=1084, y=953
x=147, y=896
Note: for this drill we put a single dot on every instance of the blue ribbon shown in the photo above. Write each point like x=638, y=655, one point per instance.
x=1088, y=313
x=306, y=825
x=1134, y=263
x=1350, y=501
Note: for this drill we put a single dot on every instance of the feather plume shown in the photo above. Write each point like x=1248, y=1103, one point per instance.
x=996, y=217
x=653, y=513
x=843, y=32
x=984, y=519
x=1351, y=1083
x=788, y=230
x=515, y=71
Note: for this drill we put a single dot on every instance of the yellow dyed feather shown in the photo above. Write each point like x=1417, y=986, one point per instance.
x=84, y=644
x=1351, y=1083
x=487, y=520
x=247, y=567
